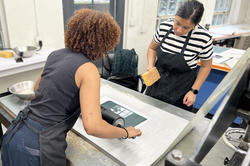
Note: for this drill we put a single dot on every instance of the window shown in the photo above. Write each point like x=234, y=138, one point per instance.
x=167, y=10
x=221, y=12
x=115, y=7
x=101, y=5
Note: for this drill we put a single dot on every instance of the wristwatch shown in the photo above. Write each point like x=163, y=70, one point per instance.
x=195, y=91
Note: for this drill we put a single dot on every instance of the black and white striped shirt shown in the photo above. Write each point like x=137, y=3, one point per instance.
x=199, y=45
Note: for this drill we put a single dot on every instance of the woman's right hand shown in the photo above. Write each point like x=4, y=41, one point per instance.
x=133, y=132
x=149, y=67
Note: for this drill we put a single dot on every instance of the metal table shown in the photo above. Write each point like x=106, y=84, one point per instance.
x=81, y=152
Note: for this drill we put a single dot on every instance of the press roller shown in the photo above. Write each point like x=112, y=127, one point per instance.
x=112, y=118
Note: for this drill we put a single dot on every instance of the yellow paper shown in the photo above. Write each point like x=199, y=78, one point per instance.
x=151, y=76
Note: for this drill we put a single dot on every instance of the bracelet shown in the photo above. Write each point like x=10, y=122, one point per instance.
x=126, y=132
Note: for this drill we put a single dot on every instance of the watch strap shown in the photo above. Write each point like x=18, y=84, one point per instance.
x=195, y=91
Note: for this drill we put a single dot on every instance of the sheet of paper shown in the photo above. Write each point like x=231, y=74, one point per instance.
x=219, y=59
x=234, y=53
x=229, y=57
x=218, y=49
x=231, y=62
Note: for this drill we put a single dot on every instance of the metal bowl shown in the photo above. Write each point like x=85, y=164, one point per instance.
x=24, y=90
x=26, y=51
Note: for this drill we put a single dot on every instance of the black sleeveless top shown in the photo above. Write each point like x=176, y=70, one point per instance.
x=57, y=96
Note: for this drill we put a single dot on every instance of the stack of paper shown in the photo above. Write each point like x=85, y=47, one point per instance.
x=229, y=57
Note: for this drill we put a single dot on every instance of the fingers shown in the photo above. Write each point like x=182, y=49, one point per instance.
x=133, y=132
x=138, y=132
x=185, y=99
x=189, y=99
x=189, y=103
x=149, y=67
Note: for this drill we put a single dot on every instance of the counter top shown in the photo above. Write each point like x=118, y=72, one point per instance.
x=9, y=66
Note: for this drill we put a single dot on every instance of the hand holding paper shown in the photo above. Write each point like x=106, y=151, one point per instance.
x=151, y=76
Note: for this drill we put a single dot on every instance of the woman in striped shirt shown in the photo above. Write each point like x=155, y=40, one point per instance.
x=175, y=50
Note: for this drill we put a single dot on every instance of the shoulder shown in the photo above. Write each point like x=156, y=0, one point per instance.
x=87, y=73
x=166, y=25
x=202, y=33
x=88, y=69
x=61, y=51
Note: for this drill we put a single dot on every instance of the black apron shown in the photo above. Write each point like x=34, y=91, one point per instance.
x=176, y=79
x=52, y=139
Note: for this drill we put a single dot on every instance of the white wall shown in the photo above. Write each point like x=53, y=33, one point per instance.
x=208, y=9
x=139, y=27
x=244, y=13
x=25, y=28
x=236, y=13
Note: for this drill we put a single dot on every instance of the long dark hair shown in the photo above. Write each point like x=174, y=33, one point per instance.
x=191, y=9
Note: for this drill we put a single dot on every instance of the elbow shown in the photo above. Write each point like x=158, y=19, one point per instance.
x=91, y=129
x=91, y=132
x=206, y=67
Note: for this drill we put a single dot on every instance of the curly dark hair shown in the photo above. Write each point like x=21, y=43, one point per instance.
x=92, y=33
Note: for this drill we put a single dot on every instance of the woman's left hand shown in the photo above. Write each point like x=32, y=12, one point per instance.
x=189, y=98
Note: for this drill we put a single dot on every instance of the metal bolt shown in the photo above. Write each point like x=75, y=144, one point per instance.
x=176, y=154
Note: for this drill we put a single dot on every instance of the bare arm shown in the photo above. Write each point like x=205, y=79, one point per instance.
x=151, y=54
x=203, y=73
x=88, y=80
x=37, y=82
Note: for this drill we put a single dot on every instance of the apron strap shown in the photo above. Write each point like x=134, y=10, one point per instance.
x=186, y=42
x=17, y=122
x=166, y=35
x=53, y=142
x=21, y=119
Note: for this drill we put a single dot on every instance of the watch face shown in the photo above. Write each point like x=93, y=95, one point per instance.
x=195, y=91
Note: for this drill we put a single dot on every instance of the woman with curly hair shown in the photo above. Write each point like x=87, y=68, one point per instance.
x=69, y=85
